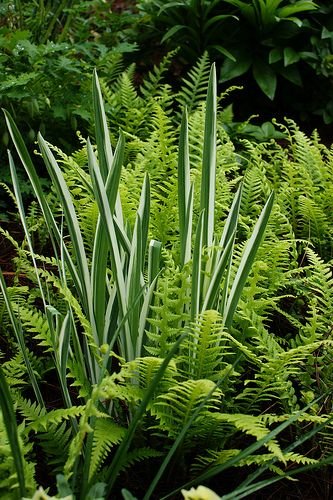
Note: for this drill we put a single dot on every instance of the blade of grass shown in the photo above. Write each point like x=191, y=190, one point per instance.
x=207, y=196
x=23, y=220
x=144, y=213
x=184, y=192
x=107, y=218
x=136, y=265
x=72, y=225
x=229, y=228
x=154, y=259
x=215, y=281
x=232, y=219
x=196, y=269
x=11, y=429
x=104, y=147
x=27, y=163
x=100, y=250
x=246, y=262
x=134, y=287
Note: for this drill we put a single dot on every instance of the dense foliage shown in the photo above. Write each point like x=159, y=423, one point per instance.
x=284, y=46
x=203, y=345
x=167, y=318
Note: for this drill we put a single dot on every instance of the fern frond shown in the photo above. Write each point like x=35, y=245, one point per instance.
x=219, y=457
x=145, y=369
x=152, y=85
x=194, y=87
x=43, y=422
x=8, y=476
x=169, y=309
x=139, y=454
x=252, y=426
x=203, y=349
x=106, y=434
x=174, y=408
x=55, y=443
x=34, y=321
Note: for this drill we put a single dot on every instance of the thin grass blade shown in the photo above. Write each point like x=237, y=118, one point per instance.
x=104, y=147
x=215, y=281
x=184, y=190
x=9, y=419
x=28, y=165
x=73, y=228
x=207, y=196
x=154, y=259
x=101, y=247
x=107, y=219
x=247, y=259
x=196, y=269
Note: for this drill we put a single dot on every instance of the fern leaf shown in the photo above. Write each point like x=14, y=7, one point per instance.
x=43, y=422
x=194, y=87
x=106, y=434
x=174, y=408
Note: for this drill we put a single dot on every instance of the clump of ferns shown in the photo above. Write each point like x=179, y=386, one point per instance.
x=300, y=172
x=289, y=365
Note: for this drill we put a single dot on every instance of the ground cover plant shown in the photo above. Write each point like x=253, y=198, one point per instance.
x=182, y=316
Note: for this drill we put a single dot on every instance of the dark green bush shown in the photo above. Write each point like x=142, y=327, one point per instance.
x=284, y=47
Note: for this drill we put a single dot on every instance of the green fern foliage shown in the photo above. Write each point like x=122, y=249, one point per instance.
x=194, y=87
x=106, y=434
x=174, y=408
x=205, y=350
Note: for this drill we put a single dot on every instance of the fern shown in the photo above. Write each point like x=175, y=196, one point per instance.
x=144, y=370
x=55, y=443
x=204, y=349
x=174, y=408
x=319, y=285
x=220, y=457
x=278, y=369
x=15, y=369
x=106, y=434
x=168, y=311
x=152, y=86
x=194, y=86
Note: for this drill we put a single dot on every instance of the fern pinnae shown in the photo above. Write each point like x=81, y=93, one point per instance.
x=106, y=434
x=184, y=397
x=195, y=85
x=203, y=350
x=152, y=84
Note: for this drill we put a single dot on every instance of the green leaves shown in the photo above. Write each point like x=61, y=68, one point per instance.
x=265, y=77
x=109, y=316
